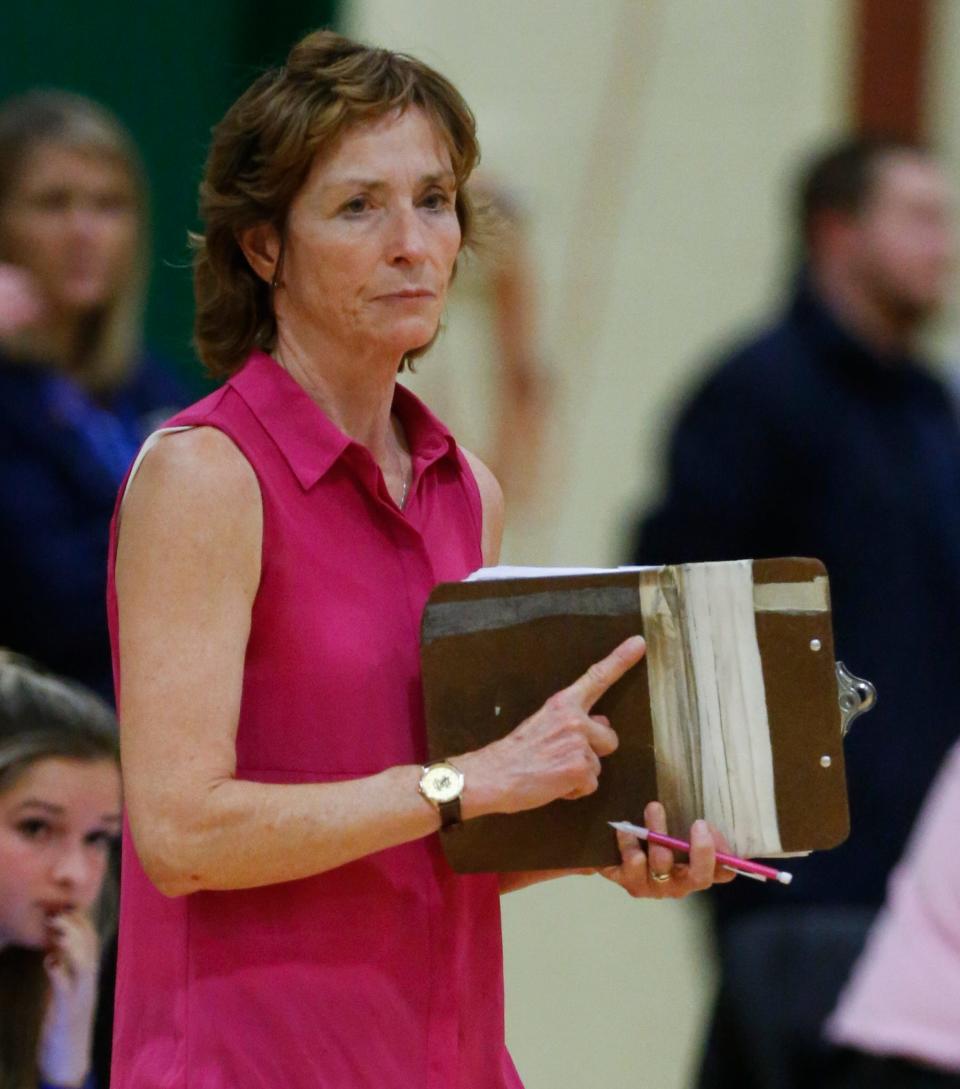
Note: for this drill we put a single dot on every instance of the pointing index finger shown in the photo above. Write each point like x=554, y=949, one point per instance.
x=604, y=674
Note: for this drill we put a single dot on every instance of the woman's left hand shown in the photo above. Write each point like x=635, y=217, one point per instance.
x=72, y=965
x=637, y=870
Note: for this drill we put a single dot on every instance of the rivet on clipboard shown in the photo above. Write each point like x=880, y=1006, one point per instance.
x=855, y=695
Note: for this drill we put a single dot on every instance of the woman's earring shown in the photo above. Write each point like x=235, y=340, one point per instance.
x=277, y=269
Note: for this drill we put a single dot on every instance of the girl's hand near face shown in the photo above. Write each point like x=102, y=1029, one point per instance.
x=20, y=302
x=72, y=964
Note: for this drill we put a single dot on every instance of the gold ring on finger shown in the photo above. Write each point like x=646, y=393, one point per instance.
x=660, y=877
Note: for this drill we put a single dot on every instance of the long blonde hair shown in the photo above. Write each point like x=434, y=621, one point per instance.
x=112, y=339
x=42, y=717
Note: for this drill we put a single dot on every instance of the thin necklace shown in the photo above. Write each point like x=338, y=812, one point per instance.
x=403, y=477
x=406, y=483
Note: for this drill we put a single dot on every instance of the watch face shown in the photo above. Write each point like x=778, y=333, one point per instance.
x=442, y=783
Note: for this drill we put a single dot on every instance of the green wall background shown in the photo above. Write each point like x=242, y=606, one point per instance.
x=169, y=71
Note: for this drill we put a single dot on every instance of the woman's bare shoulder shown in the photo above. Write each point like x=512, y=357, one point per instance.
x=201, y=464
x=487, y=483
x=195, y=498
x=491, y=500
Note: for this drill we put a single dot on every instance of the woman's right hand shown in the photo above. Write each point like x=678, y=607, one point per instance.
x=20, y=302
x=555, y=753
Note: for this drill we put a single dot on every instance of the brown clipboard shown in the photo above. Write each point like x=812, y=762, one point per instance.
x=493, y=651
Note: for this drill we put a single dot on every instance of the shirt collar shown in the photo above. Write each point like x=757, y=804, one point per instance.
x=309, y=440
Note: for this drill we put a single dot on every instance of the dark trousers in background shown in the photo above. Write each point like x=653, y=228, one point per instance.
x=781, y=973
x=854, y=1070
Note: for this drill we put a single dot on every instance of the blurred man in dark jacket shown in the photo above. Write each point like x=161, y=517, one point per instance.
x=826, y=436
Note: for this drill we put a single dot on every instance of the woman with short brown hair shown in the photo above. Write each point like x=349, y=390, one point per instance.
x=288, y=919
x=243, y=185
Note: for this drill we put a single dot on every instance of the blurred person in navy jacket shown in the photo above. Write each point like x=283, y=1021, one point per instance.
x=826, y=435
x=77, y=391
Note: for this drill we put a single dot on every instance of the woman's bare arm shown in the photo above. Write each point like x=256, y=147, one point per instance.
x=188, y=568
x=491, y=499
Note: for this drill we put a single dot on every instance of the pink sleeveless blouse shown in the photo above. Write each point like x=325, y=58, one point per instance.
x=386, y=972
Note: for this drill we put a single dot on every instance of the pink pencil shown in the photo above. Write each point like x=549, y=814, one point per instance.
x=756, y=870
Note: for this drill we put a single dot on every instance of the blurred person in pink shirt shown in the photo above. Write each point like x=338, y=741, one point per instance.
x=898, y=1019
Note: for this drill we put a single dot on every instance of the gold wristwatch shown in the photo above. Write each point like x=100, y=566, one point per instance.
x=442, y=784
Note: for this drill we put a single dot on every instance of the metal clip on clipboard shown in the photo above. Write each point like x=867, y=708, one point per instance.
x=855, y=696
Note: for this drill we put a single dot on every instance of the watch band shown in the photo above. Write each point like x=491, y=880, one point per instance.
x=449, y=812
